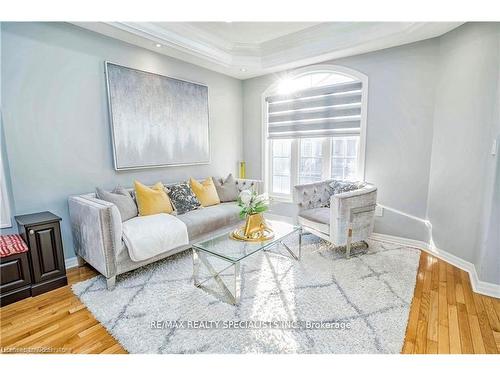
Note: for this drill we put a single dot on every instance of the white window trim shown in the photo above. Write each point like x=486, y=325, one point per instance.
x=265, y=157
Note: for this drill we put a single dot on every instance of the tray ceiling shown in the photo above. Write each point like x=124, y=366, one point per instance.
x=248, y=49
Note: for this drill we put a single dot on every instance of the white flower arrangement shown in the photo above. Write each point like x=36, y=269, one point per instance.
x=252, y=203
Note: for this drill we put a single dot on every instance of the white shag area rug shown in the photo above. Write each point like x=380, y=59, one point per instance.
x=367, y=298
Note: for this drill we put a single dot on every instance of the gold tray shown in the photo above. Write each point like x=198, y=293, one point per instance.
x=239, y=235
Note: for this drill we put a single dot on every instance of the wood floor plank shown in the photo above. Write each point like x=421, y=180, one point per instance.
x=477, y=337
x=433, y=323
x=443, y=330
x=450, y=285
x=496, y=304
x=475, y=330
x=112, y=349
x=433, y=320
x=484, y=325
x=459, y=292
x=492, y=315
x=411, y=329
x=465, y=335
x=454, y=330
x=497, y=340
x=423, y=315
x=432, y=347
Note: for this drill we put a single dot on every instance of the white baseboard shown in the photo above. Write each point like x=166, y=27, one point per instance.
x=71, y=262
x=398, y=240
x=481, y=287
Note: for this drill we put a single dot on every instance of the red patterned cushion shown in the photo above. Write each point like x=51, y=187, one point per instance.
x=12, y=244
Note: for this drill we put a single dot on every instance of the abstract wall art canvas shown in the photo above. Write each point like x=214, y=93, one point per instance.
x=156, y=120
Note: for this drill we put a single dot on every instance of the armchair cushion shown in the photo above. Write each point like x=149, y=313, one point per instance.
x=318, y=215
x=317, y=218
x=339, y=187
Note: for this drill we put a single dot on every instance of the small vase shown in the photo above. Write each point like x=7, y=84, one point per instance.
x=255, y=226
x=254, y=230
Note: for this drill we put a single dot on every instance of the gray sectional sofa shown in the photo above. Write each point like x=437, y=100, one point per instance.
x=97, y=230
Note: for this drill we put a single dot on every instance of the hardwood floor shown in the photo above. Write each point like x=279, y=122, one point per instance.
x=55, y=322
x=446, y=316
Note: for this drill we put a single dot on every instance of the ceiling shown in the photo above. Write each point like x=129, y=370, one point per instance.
x=251, y=32
x=249, y=49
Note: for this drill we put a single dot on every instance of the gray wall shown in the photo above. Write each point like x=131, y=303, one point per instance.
x=56, y=121
x=399, y=130
x=5, y=158
x=433, y=112
x=462, y=175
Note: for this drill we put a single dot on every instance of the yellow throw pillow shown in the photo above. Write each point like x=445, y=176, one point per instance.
x=205, y=192
x=152, y=200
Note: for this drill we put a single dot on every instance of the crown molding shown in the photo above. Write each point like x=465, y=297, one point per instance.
x=176, y=39
x=315, y=44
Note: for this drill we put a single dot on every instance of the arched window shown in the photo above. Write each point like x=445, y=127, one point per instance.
x=315, y=124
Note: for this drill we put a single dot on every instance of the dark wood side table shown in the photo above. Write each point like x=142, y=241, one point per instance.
x=42, y=233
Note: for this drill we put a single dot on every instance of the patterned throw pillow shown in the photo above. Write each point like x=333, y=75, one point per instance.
x=343, y=187
x=183, y=198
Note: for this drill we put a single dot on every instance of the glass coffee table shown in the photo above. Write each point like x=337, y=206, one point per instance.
x=231, y=252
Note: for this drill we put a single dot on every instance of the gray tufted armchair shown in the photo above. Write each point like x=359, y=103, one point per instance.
x=341, y=218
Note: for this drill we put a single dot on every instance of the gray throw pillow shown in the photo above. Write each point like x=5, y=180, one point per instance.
x=338, y=187
x=122, y=199
x=183, y=198
x=227, y=190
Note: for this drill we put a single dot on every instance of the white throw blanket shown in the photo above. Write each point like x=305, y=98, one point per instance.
x=148, y=236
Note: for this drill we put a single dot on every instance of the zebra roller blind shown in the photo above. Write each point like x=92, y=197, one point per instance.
x=316, y=112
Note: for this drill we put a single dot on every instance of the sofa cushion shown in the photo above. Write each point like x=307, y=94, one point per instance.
x=205, y=191
x=183, y=198
x=152, y=201
x=227, y=189
x=209, y=219
x=122, y=199
x=318, y=218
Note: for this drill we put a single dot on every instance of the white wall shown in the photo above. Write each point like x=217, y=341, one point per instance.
x=462, y=177
x=399, y=130
x=56, y=116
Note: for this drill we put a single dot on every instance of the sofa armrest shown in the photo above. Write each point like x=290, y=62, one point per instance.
x=97, y=232
x=249, y=184
x=352, y=210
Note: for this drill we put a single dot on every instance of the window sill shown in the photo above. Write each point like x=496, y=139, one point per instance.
x=275, y=199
